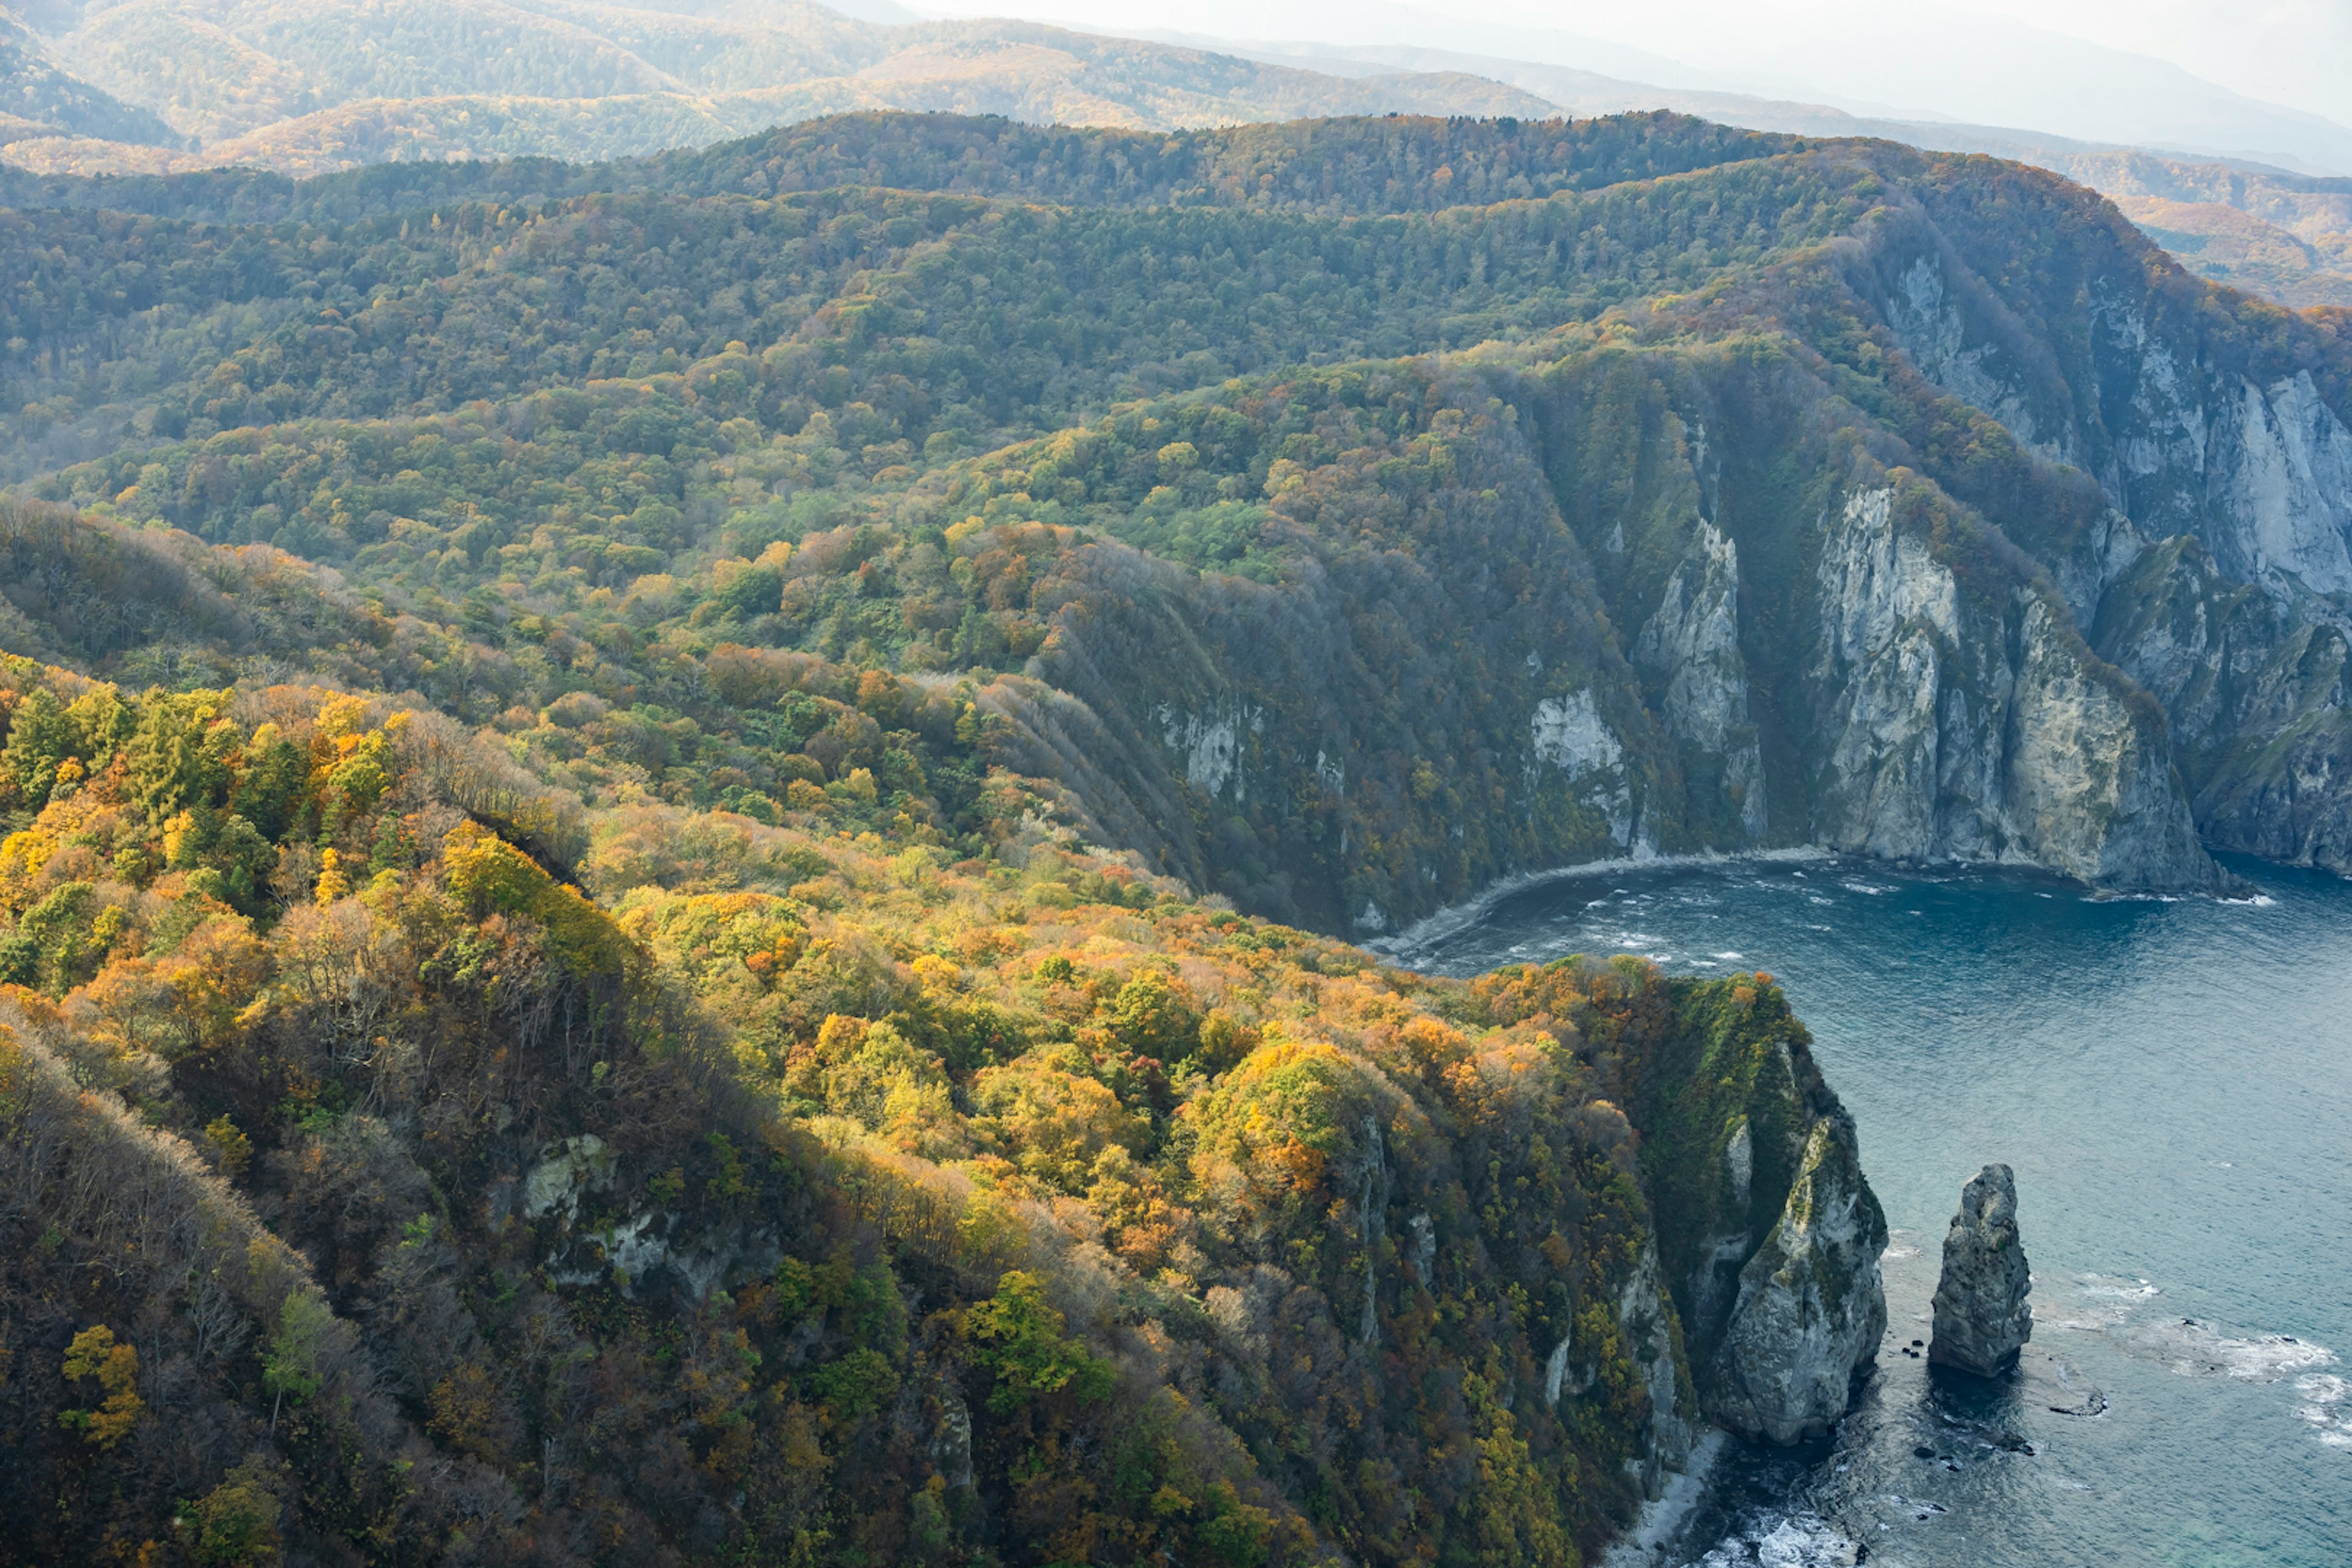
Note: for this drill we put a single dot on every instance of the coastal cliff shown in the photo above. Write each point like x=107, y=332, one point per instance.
x=764, y=1185
x=1769, y=1234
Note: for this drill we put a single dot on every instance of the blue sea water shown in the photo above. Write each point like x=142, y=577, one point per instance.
x=2173, y=1083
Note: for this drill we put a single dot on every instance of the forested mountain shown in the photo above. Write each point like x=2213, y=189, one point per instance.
x=2281, y=236
x=305, y=87
x=174, y=85
x=39, y=101
x=679, y=833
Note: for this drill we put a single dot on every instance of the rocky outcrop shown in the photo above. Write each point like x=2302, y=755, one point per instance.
x=2259, y=696
x=1646, y=1318
x=1691, y=648
x=1812, y=1307
x=1981, y=1316
x=1975, y=727
x=2222, y=579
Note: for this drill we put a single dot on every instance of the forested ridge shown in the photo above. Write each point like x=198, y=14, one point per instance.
x=679, y=834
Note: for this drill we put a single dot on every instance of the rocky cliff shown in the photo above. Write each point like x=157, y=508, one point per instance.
x=1535, y=652
x=1810, y=1311
x=1769, y=1234
x=2219, y=575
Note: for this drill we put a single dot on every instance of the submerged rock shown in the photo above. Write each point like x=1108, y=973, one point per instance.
x=1981, y=1316
x=1812, y=1307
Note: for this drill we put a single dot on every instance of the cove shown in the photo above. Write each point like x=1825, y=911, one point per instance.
x=2172, y=1081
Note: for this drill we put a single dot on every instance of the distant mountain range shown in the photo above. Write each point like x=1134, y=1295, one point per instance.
x=308, y=87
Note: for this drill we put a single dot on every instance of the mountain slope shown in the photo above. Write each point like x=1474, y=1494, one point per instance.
x=2247, y=225
x=849, y=1199
x=37, y=99
x=1921, y=386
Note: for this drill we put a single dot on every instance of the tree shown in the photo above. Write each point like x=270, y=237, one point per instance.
x=95, y=1355
x=237, y=1521
x=290, y=1364
x=1017, y=1334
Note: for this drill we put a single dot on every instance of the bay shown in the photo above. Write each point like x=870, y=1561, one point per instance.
x=2171, y=1081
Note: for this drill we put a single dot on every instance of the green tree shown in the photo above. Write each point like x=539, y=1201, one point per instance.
x=1017, y=1334
x=180, y=753
x=236, y=1523
x=290, y=1363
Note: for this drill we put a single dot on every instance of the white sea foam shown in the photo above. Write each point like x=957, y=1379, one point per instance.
x=2327, y=1407
x=1459, y=917
x=1797, y=1541
x=2192, y=1349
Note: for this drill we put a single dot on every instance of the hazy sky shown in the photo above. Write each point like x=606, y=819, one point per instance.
x=1970, y=59
x=2295, y=52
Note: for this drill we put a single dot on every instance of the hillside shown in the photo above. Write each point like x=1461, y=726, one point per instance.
x=176, y=86
x=307, y=88
x=40, y=102
x=600, y=390
x=911, y=1184
x=682, y=836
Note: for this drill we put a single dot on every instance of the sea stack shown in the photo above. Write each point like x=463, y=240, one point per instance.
x=1982, y=1318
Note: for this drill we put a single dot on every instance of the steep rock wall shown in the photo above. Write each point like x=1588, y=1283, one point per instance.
x=1843, y=651
x=1559, y=621
x=2221, y=579
x=1432, y=697
x=1768, y=1232
x=1972, y=727
x=2257, y=692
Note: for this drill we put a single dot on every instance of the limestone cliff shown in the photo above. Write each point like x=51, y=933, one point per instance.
x=1811, y=1308
x=2221, y=576
x=1769, y=1232
x=1691, y=648
x=1976, y=729
x=2257, y=695
x=1529, y=652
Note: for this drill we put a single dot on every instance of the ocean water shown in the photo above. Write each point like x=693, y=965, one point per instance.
x=2171, y=1081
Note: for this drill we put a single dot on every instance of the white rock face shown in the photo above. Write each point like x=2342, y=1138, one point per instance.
x=564, y=1174
x=1890, y=612
x=1957, y=730
x=1739, y=1161
x=1812, y=1307
x=2281, y=478
x=1210, y=745
x=2263, y=473
x=1642, y=1317
x=1556, y=1368
x=1567, y=732
x=1694, y=641
x=1929, y=326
